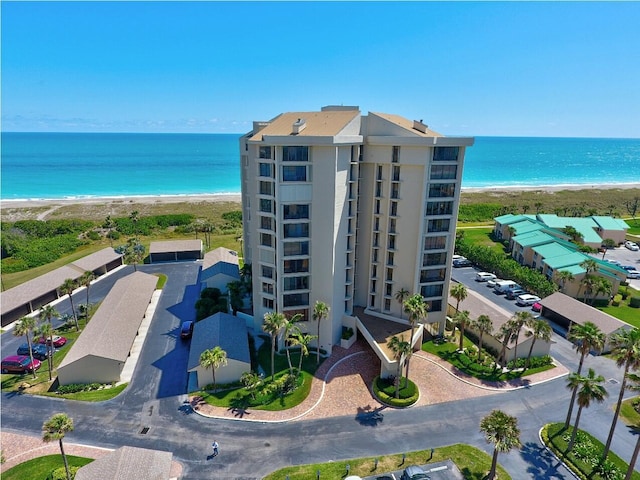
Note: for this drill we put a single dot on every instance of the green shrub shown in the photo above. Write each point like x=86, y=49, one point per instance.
x=93, y=235
x=535, y=362
x=61, y=474
x=634, y=302
x=347, y=333
x=616, y=300
x=385, y=390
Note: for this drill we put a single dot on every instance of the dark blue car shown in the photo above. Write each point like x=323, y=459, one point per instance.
x=39, y=350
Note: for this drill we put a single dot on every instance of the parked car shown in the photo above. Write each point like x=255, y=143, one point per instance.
x=39, y=350
x=505, y=285
x=484, y=276
x=628, y=267
x=19, y=364
x=462, y=262
x=633, y=274
x=414, y=473
x=527, y=299
x=631, y=245
x=58, y=341
x=536, y=307
x=513, y=293
x=186, y=330
x=492, y=283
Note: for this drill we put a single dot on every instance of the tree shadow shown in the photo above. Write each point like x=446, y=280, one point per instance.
x=239, y=406
x=542, y=463
x=369, y=416
x=186, y=408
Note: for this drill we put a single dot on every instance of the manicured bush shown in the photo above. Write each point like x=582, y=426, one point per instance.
x=347, y=333
x=535, y=362
x=616, y=300
x=385, y=390
x=61, y=474
x=634, y=302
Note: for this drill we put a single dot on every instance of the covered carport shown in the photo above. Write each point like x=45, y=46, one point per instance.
x=100, y=262
x=566, y=311
x=175, y=251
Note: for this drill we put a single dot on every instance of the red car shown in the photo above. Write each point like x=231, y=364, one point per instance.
x=536, y=307
x=58, y=341
x=19, y=364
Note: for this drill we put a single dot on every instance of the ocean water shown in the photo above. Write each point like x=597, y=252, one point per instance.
x=85, y=165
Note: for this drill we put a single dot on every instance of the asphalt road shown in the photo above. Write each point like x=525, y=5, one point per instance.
x=156, y=395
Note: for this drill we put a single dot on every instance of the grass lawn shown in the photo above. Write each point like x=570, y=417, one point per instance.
x=39, y=468
x=482, y=236
x=448, y=351
x=585, y=450
x=473, y=463
x=624, y=312
x=628, y=413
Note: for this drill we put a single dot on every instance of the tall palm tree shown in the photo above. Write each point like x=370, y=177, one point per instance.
x=589, y=283
x=25, y=326
x=46, y=331
x=135, y=218
x=213, y=358
x=109, y=224
x=520, y=319
x=634, y=384
x=86, y=279
x=417, y=309
x=400, y=348
x=585, y=338
x=540, y=330
x=501, y=430
x=483, y=324
x=55, y=429
x=589, y=389
x=461, y=319
x=290, y=330
x=273, y=324
x=459, y=292
x=67, y=288
x=301, y=340
x=401, y=295
x=505, y=333
x=602, y=287
x=563, y=277
x=607, y=244
x=626, y=352
x=320, y=312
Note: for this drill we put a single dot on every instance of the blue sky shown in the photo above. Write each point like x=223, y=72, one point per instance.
x=465, y=68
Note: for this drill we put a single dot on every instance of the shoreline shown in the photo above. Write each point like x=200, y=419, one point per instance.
x=237, y=197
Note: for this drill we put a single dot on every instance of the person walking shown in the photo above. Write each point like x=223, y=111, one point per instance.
x=215, y=448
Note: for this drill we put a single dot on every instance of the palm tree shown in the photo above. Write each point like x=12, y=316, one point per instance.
x=540, y=330
x=626, y=352
x=320, y=312
x=589, y=283
x=46, y=331
x=290, y=330
x=55, y=429
x=459, y=292
x=301, y=340
x=25, y=326
x=607, y=244
x=501, y=430
x=251, y=382
x=634, y=385
x=505, y=335
x=461, y=319
x=602, y=287
x=589, y=389
x=401, y=296
x=273, y=324
x=67, y=288
x=86, y=279
x=109, y=224
x=520, y=319
x=212, y=359
x=400, y=348
x=135, y=217
x=585, y=338
x=483, y=324
x=563, y=277
x=416, y=308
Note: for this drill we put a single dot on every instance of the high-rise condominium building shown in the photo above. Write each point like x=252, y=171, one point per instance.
x=349, y=209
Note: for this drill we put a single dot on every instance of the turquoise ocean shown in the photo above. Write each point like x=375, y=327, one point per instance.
x=86, y=165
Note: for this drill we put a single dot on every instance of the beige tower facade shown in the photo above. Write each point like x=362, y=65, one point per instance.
x=348, y=209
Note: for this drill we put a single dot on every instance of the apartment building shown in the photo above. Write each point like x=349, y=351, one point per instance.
x=348, y=209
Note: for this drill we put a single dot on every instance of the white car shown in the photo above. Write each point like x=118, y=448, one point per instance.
x=527, y=299
x=484, y=276
x=631, y=246
x=633, y=274
x=492, y=283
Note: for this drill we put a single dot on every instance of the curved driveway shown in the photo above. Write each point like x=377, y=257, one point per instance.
x=155, y=399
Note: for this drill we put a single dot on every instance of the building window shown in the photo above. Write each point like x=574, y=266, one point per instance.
x=433, y=275
x=392, y=242
x=394, y=209
x=395, y=190
x=298, y=311
x=266, y=188
x=446, y=154
x=438, y=225
x=379, y=174
x=296, y=230
x=431, y=290
x=266, y=240
x=430, y=259
x=395, y=155
x=374, y=271
x=395, y=175
x=439, y=208
x=296, y=266
x=291, y=249
x=267, y=272
x=266, y=151
x=295, y=283
x=442, y=190
x=390, y=258
x=434, y=243
x=378, y=189
x=387, y=304
x=266, y=205
x=377, y=207
x=295, y=154
x=266, y=223
x=267, y=303
x=444, y=172
x=295, y=299
x=295, y=212
x=267, y=288
x=294, y=173
x=375, y=255
x=434, y=305
x=266, y=170
x=388, y=289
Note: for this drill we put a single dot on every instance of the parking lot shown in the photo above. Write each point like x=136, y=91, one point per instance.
x=625, y=257
x=446, y=470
